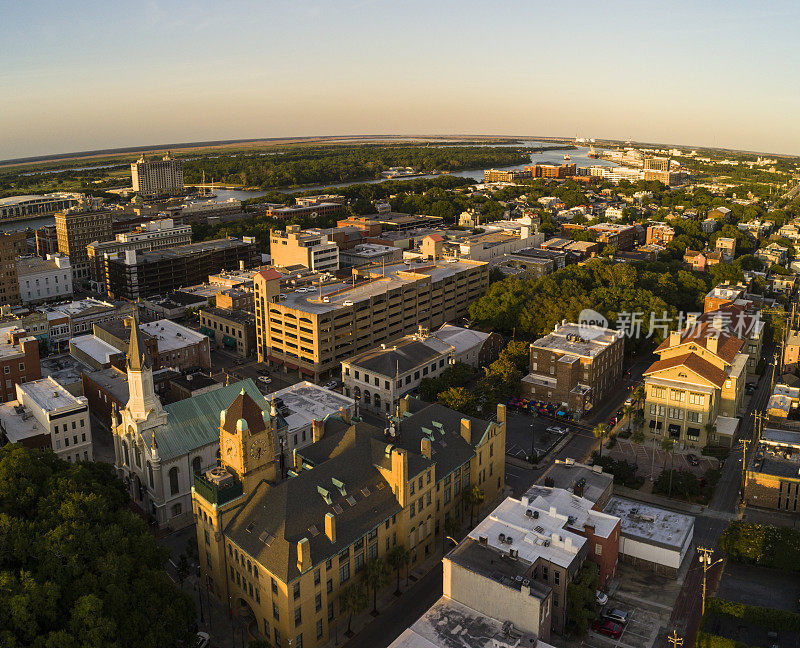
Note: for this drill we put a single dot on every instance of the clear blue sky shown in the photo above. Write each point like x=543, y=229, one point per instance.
x=96, y=74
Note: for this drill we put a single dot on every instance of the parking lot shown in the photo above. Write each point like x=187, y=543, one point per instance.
x=519, y=430
x=640, y=631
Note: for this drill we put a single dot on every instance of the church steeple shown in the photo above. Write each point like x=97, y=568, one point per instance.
x=142, y=399
x=138, y=357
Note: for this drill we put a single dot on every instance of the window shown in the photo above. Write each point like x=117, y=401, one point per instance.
x=413, y=506
x=197, y=465
x=275, y=611
x=317, y=578
x=318, y=602
x=330, y=610
x=319, y=628
x=556, y=577
x=676, y=395
x=296, y=590
x=329, y=586
x=344, y=572
x=358, y=562
x=298, y=641
x=298, y=617
x=173, y=480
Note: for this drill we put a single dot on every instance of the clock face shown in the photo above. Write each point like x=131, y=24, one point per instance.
x=258, y=449
x=230, y=449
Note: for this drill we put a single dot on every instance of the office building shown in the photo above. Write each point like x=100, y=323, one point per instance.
x=296, y=247
x=76, y=228
x=366, y=253
x=620, y=236
x=378, y=378
x=22, y=207
x=313, y=330
x=132, y=274
x=19, y=360
x=46, y=240
x=231, y=329
x=695, y=389
x=575, y=366
x=152, y=235
x=12, y=245
x=157, y=177
x=551, y=171
x=495, y=175
x=321, y=206
x=42, y=280
x=285, y=549
x=45, y=415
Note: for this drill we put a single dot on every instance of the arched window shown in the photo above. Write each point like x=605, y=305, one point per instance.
x=173, y=481
x=138, y=454
x=377, y=401
x=367, y=398
x=197, y=465
x=150, y=474
x=356, y=393
x=125, y=456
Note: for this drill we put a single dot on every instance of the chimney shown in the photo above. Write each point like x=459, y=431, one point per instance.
x=317, y=430
x=674, y=338
x=399, y=474
x=346, y=414
x=425, y=447
x=303, y=555
x=577, y=489
x=402, y=406
x=466, y=431
x=330, y=526
x=501, y=414
x=297, y=460
x=712, y=344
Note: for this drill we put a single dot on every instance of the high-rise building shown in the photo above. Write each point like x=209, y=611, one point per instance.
x=309, y=249
x=157, y=177
x=12, y=245
x=75, y=229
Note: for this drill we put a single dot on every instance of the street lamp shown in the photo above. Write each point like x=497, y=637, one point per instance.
x=705, y=561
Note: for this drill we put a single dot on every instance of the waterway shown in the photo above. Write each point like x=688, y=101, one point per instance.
x=577, y=156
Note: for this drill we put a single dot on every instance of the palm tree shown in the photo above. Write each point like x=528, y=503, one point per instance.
x=668, y=445
x=639, y=395
x=600, y=431
x=472, y=497
x=398, y=557
x=376, y=576
x=352, y=600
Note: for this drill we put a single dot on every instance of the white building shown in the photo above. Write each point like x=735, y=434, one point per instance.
x=42, y=280
x=47, y=415
x=614, y=213
x=154, y=177
x=300, y=405
x=378, y=378
x=652, y=537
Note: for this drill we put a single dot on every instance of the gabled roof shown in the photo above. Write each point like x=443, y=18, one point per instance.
x=194, y=422
x=693, y=363
x=727, y=347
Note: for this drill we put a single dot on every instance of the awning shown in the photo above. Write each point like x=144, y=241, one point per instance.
x=206, y=331
x=693, y=432
x=674, y=429
x=227, y=340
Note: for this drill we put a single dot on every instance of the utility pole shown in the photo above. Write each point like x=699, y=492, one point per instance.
x=674, y=640
x=744, y=466
x=705, y=561
x=758, y=426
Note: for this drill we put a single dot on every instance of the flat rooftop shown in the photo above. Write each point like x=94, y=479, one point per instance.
x=64, y=369
x=651, y=524
x=79, y=307
x=781, y=437
x=171, y=336
x=567, y=474
x=7, y=349
x=578, y=339
x=534, y=537
x=203, y=247
x=578, y=510
x=51, y=396
x=307, y=402
x=97, y=349
x=18, y=423
x=383, y=279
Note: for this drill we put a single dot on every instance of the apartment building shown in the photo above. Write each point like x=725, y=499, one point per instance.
x=285, y=549
x=554, y=171
x=296, y=247
x=157, y=177
x=495, y=175
x=12, y=245
x=696, y=387
x=74, y=318
x=699, y=260
x=42, y=280
x=152, y=235
x=660, y=234
x=46, y=240
x=773, y=254
x=725, y=294
x=378, y=378
x=133, y=274
x=76, y=228
x=45, y=415
x=575, y=366
x=620, y=236
x=313, y=330
x=726, y=247
x=19, y=360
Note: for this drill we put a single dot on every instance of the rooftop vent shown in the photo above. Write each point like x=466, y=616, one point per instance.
x=351, y=501
x=313, y=530
x=266, y=537
x=338, y=509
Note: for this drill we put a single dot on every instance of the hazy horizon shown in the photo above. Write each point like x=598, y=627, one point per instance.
x=90, y=75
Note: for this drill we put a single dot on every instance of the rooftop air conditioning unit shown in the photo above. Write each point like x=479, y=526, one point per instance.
x=502, y=537
x=528, y=513
x=220, y=477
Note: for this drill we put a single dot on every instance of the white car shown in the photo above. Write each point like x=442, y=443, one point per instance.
x=602, y=598
x=265, y=379
x=555, y=429
x=203, y=640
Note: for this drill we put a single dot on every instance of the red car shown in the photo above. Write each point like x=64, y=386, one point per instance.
x=608, y=628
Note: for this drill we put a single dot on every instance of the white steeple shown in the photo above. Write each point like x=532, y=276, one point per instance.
x=142, y=397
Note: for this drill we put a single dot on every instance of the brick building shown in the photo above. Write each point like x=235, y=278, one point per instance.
x=19, y=360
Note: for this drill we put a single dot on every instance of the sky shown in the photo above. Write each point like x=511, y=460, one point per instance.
x=83, y=75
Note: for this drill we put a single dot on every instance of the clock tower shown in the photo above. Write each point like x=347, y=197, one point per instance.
x=247, y=441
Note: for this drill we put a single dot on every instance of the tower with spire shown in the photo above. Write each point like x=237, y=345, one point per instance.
x=142, y=399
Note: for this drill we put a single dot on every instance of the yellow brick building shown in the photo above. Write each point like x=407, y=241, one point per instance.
x=283, y=550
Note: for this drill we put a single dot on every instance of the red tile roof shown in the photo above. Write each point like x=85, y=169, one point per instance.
x=727, y=347
x=269, y=274
x=694, y=363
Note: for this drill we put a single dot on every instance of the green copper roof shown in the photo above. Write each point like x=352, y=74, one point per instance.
x=194, y=422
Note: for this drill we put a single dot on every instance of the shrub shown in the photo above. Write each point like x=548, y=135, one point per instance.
x=761, y=616
x=705, y=640
x=624, y=471
x=684, y=484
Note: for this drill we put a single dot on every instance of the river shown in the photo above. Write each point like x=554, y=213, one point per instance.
x=577, y=156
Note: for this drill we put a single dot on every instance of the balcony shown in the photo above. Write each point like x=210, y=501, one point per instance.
x=215, y=494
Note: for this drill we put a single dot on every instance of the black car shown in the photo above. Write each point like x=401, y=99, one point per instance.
x=692, y=459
